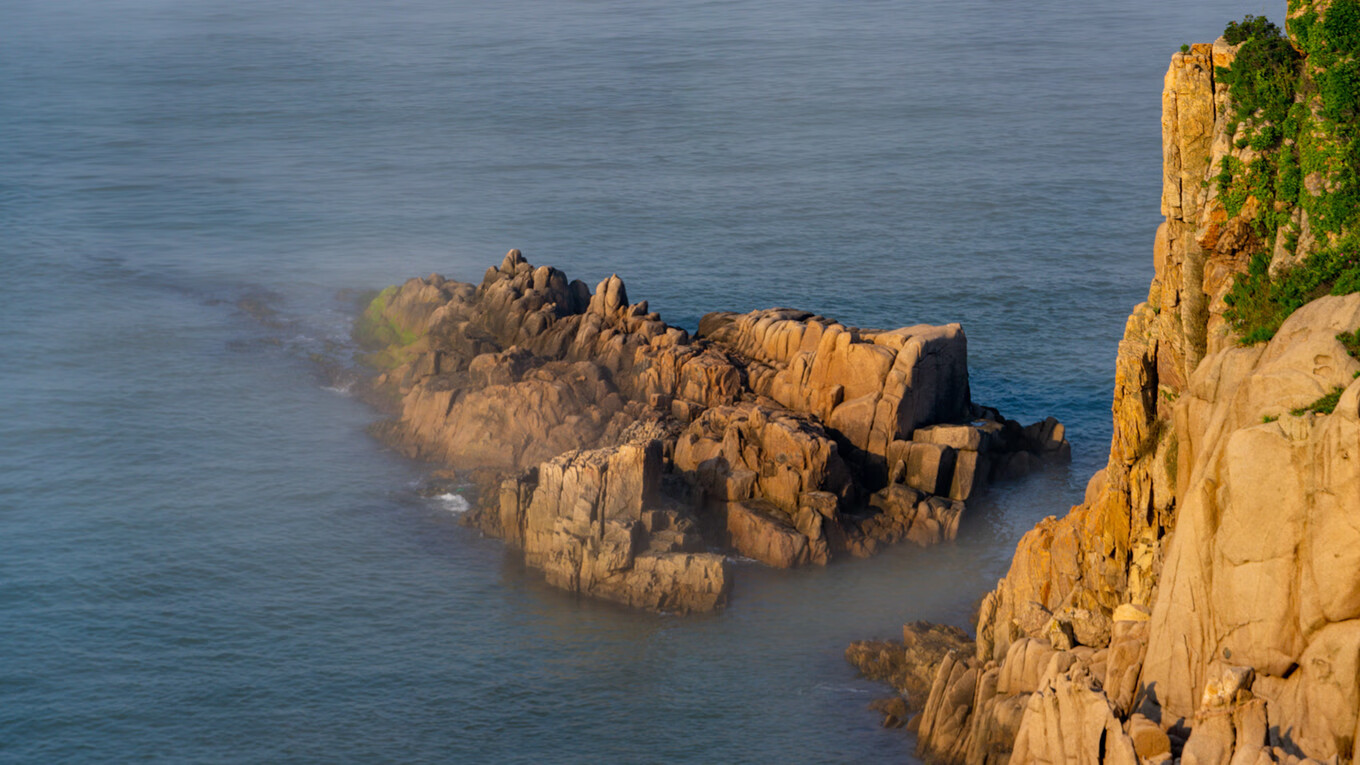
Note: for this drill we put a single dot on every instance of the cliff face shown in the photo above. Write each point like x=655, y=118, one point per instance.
x=1203, y=601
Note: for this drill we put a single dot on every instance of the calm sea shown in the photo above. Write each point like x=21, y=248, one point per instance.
x=203, y=557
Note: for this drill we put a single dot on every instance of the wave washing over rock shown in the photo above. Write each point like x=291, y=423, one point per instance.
x=626, y=459
x=1203, y=602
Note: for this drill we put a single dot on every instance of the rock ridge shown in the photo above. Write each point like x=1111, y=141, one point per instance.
x=626, y=458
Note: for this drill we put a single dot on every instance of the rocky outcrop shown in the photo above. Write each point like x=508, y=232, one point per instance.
x=1203, y=602
x=874, y=387
x=591, y=521
x=907, y=665
x=624, y=456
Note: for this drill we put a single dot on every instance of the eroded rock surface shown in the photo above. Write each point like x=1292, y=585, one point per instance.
x=625, y=457
x=908, y=665
x=1203, y=602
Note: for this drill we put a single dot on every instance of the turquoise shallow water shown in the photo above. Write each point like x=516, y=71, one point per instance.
x=202, y=555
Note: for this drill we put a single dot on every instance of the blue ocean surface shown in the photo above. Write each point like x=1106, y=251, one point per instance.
x=205, y=558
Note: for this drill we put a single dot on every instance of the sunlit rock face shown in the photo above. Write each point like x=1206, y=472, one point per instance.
x=1203, y=602
x=626, y=458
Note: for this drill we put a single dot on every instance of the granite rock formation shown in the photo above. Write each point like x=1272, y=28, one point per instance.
x=1203, y=602
x=625, y=457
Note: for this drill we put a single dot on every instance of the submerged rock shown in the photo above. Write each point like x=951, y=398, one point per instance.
x=625, y=457
x=908, y=666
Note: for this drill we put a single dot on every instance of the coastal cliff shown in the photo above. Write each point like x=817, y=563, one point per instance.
x=626, y=459
x=1203, y=601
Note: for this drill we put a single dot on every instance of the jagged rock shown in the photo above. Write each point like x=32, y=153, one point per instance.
x=894, y=711
x=944, y=721
x=908, y=514
x=585, y=519
x=875, y=387
x=553, y=408
x=744, y=451
x=768, y=431
x=1070, y=720
x=908, y=665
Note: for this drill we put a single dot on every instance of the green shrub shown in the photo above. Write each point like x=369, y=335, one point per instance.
x=1324, y=405
x=1263, y=76
x=1271, y=99
x=1351, y=342
x=1342, y=26
x=1238, y=32
x=1339, y=88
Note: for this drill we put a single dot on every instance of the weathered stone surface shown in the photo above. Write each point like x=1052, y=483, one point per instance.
x=970, y=473
x=873, y=386
x=1202, y=602
x=744, y=451
x=1149, y=740
x=772, y=429
x=1266, y=600
x=584, y=518
x=1070, y=720
x=530, y=417
x=909, y=665
x=943, y=733
x=759, y=530
x=1124, y=663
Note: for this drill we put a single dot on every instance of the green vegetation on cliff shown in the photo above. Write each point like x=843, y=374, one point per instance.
x=1325, y=404
x=1295, y=103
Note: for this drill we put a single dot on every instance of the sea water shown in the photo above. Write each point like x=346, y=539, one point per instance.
x=203, y=556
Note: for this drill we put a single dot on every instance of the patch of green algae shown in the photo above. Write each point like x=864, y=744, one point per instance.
x=385, y=344
x=1296, y=107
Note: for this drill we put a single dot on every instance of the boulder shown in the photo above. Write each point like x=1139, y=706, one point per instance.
x=586, y=519
x=872, y=386
x=757, y=529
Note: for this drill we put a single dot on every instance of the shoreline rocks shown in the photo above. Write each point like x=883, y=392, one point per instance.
x=624, y=457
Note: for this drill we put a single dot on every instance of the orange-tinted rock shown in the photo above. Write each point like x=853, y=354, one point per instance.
x=759, y=435
x=758, y=530
x=1215, y=552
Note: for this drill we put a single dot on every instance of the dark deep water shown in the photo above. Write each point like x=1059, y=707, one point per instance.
x=202, y=555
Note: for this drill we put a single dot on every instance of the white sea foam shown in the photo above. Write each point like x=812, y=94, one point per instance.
x=454, y=503
x=838, y=688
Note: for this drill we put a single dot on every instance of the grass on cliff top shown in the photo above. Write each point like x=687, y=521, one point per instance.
x=1299, y=115
x=382, y=339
